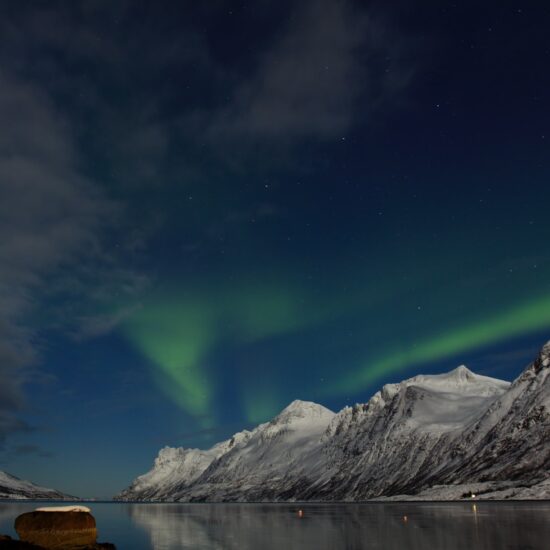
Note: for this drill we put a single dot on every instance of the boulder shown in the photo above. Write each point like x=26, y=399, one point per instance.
x=57, y=529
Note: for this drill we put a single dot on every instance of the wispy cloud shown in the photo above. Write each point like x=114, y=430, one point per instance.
x=330, y=60
x=97, y=325
x=75, y=93
x=52, y=219
x=30, y=449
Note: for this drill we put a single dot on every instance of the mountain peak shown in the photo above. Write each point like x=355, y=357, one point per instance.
x=462, y=372
x=299, y=409
x=460, y=380
x=298, y=405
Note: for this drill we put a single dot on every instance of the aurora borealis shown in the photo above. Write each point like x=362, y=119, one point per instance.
x=212, y=210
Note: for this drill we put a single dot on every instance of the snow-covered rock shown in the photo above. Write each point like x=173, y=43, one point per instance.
x=12, y=487
x=451, y=431
x=63, y=509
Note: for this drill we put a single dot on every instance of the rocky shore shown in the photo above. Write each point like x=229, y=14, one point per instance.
x=7, y=542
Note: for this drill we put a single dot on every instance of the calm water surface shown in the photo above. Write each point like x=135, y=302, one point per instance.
x=431, y=526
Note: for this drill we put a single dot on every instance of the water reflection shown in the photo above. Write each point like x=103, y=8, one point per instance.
x=406, y=526
x=373, y=526
x=6, y=512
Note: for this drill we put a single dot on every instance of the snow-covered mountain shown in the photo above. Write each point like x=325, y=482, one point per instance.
x=511, y=441
x=267, y=465
x=451, y=431
x=177, y=467
x=14, y=488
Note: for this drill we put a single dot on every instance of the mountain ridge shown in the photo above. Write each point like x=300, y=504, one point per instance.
x=446, y=430
x=12, y=487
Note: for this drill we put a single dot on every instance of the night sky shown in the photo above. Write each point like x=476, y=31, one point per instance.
x=209, y=209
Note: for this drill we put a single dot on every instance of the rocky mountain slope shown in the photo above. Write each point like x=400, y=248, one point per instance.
x=175, y=468
x=12, y=487
x=447, y=432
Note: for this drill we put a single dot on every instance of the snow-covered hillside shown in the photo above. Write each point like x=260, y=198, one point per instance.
x=14, y=488
x=266, y=465
x=511, y=441
x=457, y=429
x=178, y=467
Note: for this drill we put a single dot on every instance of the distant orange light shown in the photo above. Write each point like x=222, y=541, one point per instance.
x=405, y=519
x=300, y=513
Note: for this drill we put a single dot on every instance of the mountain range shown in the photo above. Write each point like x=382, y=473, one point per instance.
x=443, y=436
x=12, y=487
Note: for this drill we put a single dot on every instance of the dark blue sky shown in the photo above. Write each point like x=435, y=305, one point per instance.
x=211, y=209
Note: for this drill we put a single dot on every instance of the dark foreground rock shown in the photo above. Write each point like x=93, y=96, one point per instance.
x=7, y=543
x=56, y=529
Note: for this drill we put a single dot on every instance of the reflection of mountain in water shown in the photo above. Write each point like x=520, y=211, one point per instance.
x=174, y=526
x=5, y=511
x=376, y=526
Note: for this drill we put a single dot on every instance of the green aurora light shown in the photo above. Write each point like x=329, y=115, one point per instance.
x=524, y=318
x=178, y=333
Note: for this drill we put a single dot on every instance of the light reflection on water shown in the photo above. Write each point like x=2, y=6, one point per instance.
x=395, y=526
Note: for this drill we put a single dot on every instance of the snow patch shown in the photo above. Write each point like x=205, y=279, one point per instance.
x=63, y=509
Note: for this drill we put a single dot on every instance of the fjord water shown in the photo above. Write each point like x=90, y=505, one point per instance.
x=387, y=526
